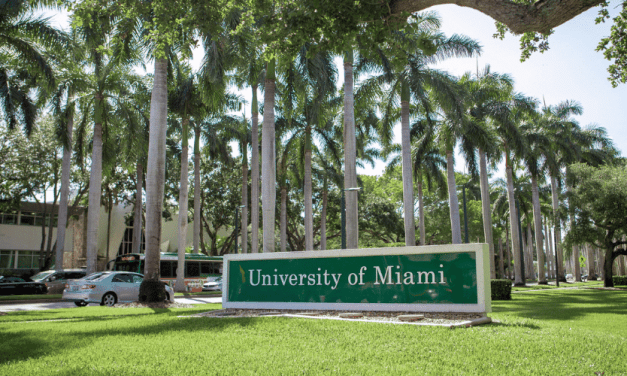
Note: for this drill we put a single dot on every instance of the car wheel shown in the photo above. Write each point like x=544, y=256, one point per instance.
x=80, y=304
x=109, y=299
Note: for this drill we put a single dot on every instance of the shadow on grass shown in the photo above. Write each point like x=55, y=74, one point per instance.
x=514, y=325
x=563, y=304
x=33, y=342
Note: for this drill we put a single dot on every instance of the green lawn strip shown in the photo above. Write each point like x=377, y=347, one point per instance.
x=198, y=293
x=547, y=332
x=100, y=313
x=31, y=297
x=561, y=286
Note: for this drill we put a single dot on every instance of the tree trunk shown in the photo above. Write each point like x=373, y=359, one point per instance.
x=537, y=221
x=501, y=260
x=456, y=230
x=323, y=217
x=109, y=210
x=529, y=258
x=600, y=255
x=608, y=260
x=621, y=265
x=558, y=231
x=244, y=224
x=513, y=220
x=552, y=257
x=590, y=259
x=509, y=254
x=197, y=198
x=408, y=179
x=137, y=218
x=254, y=179
x=65, y=192
x=350, y=155
x=485, y=208
x=547, y=244
x=183, y=202
x=95, y=189
x=152, y=289
x=268, y=162
x=421, y=212
x=283, y=219
x=308, y=193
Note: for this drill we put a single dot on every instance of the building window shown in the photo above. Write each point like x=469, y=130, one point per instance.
x=8, y=218
x=126, y=246
x=27, y=260
x=7, y=259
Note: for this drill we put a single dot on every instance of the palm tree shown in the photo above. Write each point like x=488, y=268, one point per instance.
x=484, y=95
x=427, y=86
x=268, y=191
x=23, y=35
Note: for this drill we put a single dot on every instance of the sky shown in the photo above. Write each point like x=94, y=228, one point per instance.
x=570, y=70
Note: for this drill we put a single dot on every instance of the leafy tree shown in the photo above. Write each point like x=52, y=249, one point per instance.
x=598, y=203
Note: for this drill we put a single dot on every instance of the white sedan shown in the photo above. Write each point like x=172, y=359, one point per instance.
x=215, y=285
x=107, y=288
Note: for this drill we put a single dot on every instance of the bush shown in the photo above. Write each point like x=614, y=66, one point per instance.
x=619, y=280
x=151, y=291
x=501, y=289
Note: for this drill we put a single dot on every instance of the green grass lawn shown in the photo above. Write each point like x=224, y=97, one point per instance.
x=562, y=285
x=556, y=332
x=30, y=297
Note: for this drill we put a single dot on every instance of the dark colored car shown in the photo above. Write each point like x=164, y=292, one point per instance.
x=56, y=280
x=19, y=286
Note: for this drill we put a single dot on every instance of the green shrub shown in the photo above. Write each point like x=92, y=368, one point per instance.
x=619, y=280
x=501, y=289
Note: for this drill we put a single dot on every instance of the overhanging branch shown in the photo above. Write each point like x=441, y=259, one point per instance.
x=541, y=16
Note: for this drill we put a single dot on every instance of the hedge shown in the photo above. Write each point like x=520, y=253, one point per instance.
x=501, y=289
x=619, y=280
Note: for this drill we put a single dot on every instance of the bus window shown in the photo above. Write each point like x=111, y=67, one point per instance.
x=206, y=268
x=166, y=269
x=193, y=269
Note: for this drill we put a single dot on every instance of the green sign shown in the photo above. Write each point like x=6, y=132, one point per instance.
x=408, y=278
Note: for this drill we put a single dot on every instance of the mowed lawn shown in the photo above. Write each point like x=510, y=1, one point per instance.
x=552, y=332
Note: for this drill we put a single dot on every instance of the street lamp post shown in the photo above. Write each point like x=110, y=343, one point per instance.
x=343, y=213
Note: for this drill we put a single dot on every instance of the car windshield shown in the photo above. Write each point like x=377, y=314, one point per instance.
x=41, y=275
x=95, y=276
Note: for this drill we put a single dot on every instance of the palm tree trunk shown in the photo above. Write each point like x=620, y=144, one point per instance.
x=155, y=179
x=529, y=257
x=590, y=262
x=323, y=216
x=421, y=212
x=308, y=193
x=65, y=192
x=197, y=198
x=183, y=202
x=268, y=162
x=137, y=217
x=575, y=255
x=502, y=261
x=537, y=221
x=283, y=219
x=485, y=208
x=548, y=248
x=513, y=220
x=558, y=231
x=408, y=181
x=456, y=230
x=244, y=224
x=350, y=155
x=95, y=189
x=509, y=253
x=621, y=265
x=254, y=179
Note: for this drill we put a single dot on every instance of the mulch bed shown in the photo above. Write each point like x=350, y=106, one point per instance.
x=430, y=318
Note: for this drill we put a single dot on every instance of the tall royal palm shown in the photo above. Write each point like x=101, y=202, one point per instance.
x=430, y=88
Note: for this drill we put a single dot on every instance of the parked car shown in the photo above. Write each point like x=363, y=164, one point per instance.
x=214, y=285
x=107, y=288
x=19, y=286
x=56, y=280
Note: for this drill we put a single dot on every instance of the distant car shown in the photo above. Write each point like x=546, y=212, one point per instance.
x=56, y=280
x=19, y=286
x=107, y=288
x=215, y=285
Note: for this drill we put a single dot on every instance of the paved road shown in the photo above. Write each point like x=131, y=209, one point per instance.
x=57, y=305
